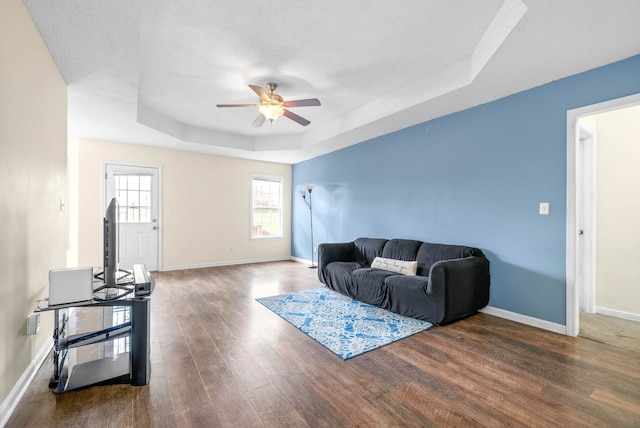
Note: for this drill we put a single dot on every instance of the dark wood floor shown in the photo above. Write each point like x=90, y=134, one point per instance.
x=219, y=358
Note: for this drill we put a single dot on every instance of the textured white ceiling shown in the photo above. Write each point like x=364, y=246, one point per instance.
x=151, y=71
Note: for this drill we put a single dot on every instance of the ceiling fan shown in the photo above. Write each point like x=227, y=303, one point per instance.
x=272, y=106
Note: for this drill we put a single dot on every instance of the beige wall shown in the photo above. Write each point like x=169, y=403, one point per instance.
x=618, y=211
x=33, y=141
x=205, y=204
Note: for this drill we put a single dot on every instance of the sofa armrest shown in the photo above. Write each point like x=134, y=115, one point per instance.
x=334, y=252
x=460, y=287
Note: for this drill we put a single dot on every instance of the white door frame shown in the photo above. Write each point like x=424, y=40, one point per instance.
x=586, y=217
x=138, y=165
x=576, y=260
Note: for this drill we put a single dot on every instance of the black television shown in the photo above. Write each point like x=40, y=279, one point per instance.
x=110, y=259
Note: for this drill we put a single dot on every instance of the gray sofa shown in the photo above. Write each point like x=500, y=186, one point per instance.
x=450, y=282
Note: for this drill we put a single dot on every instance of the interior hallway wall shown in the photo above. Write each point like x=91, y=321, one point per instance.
x=618, y=210
x=33, y=161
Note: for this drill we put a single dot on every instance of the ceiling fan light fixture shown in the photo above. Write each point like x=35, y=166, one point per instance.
x=272, y=106
x=271, y=111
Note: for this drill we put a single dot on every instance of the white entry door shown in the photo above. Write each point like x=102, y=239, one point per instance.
x=136, y=189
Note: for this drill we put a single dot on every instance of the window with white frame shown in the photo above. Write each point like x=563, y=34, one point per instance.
x=134, y=197
x=266, y=207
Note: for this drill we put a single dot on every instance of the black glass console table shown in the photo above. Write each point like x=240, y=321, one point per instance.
x=101, y=342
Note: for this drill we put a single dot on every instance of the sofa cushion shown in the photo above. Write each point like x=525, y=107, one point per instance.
x=407, y=295
x=367, y=285
x=368, y=249
x=429, y=253
x=338, y=274
x=401, y=249
x=399, y=266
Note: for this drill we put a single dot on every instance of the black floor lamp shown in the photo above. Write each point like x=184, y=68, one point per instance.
x=303, y=193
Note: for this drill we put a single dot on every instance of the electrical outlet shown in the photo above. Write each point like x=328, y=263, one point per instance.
x=33, y=323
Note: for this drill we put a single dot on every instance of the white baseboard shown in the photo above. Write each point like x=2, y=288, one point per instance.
x=618, y=314
x=524, y=319
x=11, y=402
x=227, y=263
x=299, y=260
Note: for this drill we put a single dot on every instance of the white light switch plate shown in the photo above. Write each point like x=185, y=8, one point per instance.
x=544, y=208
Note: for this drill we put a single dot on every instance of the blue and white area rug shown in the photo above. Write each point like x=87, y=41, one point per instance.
x=343, y=325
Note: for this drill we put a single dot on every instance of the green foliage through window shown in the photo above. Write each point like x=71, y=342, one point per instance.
x=266, y=206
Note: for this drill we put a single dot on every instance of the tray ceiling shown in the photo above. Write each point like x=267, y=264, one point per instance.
x=151, y=72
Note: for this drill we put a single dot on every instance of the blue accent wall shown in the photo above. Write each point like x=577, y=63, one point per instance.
x=475, y=178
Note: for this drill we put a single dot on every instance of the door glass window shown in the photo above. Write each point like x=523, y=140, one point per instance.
x=133, y=192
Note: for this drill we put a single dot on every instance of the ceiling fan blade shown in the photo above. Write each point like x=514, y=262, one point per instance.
x=259, y=121
x=303, y=103
x=261, y=93
x=237, y=105
x=301, y=120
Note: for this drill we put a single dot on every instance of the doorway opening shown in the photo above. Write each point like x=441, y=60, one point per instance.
x=582, y=278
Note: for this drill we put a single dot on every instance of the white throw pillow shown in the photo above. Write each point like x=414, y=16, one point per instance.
x=393, y=265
